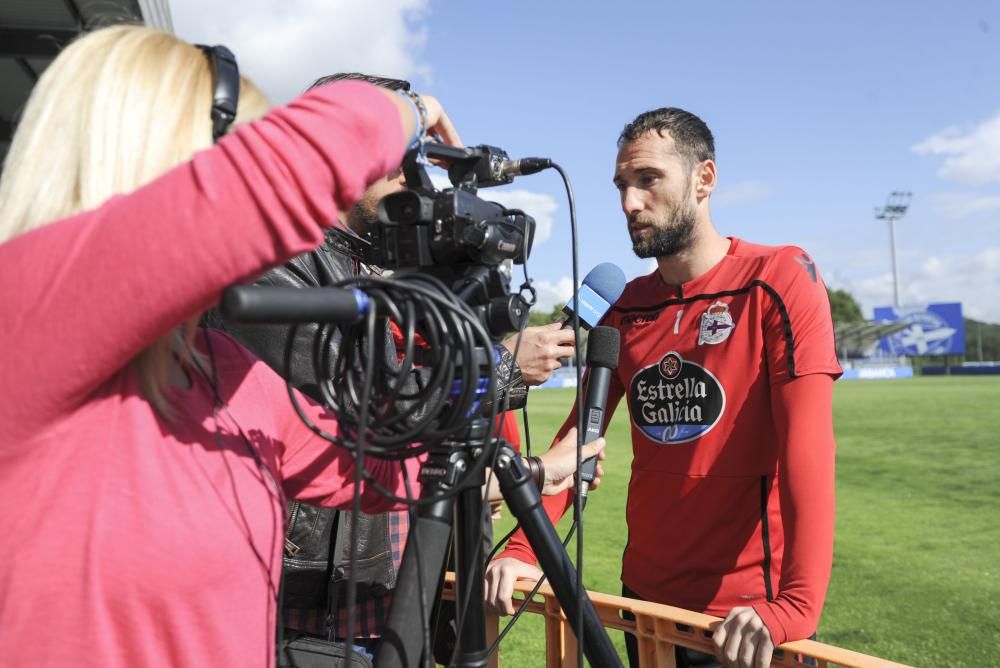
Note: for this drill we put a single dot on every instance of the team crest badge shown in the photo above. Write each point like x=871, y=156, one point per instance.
x=670, y=365
x=716, y=324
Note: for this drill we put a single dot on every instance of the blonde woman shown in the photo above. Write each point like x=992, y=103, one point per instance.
x=143, y=469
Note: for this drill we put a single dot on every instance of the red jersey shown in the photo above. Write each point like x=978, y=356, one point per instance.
x=697, y=369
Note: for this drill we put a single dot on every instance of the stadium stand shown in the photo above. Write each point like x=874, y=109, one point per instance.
x=33, y=31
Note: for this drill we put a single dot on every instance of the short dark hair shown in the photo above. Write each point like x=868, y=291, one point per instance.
x=384, y=82
x=693, y=138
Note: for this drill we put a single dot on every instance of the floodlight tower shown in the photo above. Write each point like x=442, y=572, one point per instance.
x=894, y=209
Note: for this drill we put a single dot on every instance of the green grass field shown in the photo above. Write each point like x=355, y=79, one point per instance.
x=916, y=574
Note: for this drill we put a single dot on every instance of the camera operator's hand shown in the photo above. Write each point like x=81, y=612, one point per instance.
x=439, y=126
x=540, y=351
x=560, y=462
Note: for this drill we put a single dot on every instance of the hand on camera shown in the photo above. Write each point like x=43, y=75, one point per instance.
x=439, y=126
x=540, y=350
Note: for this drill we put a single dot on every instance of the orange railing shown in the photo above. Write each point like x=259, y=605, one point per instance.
x=659, y=628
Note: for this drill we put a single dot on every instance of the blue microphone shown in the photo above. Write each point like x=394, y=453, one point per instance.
x=600, y=289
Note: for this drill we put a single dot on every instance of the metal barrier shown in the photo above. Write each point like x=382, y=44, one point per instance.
x=659, y=628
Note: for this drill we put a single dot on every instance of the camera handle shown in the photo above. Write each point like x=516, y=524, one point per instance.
x=402, y=639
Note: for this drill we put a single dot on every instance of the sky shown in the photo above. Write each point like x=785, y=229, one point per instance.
x=819, y=110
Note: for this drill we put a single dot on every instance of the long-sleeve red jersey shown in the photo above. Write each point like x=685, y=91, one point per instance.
x=727, y=380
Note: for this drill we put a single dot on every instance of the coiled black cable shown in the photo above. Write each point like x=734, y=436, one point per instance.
x=409, y=413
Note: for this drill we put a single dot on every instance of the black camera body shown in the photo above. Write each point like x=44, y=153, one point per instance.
x=423, y=227
x=456, y=236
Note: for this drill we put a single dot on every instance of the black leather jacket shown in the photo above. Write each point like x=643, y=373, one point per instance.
x=309, y=529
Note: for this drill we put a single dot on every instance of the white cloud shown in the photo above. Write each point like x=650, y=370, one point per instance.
x=552, y=294
x=972, y=155
x=956, y=206
x=539, y=206
x=974, y=281
x=869, y=291
x=743, y=192
x=283, y=47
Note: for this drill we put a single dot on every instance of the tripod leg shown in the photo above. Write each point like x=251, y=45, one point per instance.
x=525, y=503
x=416, y=587
x=469, y=610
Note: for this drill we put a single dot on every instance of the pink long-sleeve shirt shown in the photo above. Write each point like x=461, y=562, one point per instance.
x=127, y=539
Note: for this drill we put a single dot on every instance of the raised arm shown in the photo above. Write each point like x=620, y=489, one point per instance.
x=84, y=295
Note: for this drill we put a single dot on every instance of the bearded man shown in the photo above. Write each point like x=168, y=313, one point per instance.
x=727, y=368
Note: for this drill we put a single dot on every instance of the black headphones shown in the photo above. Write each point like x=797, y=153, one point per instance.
x=226, y=82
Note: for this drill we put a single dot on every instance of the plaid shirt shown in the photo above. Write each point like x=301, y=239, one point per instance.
x=369, y=616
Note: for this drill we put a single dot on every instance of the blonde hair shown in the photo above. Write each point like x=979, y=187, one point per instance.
x=119, y=107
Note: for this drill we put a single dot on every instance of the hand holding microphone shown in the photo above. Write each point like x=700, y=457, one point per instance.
x=559, y=462
x=539, y=351
x=541, y=348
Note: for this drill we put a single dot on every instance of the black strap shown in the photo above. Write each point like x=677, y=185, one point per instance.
x=226, y=85
x=332, y=584
x=350, y=244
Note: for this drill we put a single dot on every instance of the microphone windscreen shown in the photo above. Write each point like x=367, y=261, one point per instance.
x=601, y=288
x=606, y=279
x=603, y=347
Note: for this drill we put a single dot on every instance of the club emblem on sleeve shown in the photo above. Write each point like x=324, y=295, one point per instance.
x=716, y=324
x=808, y=265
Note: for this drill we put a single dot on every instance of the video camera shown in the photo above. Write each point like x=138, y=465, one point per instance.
x=456, y=236
x=423, y=227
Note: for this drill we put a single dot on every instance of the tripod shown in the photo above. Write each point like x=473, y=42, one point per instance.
x=427, y=548
x=449, y=459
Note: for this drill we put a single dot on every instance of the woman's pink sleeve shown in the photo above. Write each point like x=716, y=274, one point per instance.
x=82, y=296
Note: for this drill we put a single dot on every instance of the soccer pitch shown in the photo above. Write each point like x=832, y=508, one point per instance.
x=916, y=574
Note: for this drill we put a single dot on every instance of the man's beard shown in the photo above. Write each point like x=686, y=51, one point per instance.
x=361, y=219
x=669, y=239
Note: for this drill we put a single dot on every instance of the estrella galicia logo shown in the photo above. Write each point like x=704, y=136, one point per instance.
x=675, y=400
